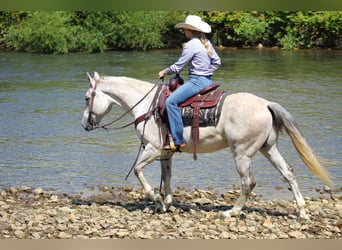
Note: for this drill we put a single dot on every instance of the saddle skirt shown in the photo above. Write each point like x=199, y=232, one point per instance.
x=202, y=109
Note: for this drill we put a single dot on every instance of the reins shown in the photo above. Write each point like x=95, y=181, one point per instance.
x=124, y=114
x=150, y=110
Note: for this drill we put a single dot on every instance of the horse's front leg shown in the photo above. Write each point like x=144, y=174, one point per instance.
x=166, y=167
x=149, y=155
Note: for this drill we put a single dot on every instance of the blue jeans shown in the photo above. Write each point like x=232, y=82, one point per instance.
x=192, y=87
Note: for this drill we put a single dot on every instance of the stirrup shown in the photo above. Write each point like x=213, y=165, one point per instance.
x=174, y=148
x=171, y=146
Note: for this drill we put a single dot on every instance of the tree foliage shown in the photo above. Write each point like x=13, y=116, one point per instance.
x=63, y=32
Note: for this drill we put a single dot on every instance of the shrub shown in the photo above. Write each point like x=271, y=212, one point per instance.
x=94, y=31
x=51, y=32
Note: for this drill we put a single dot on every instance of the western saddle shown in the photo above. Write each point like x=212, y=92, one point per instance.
x=207, y=98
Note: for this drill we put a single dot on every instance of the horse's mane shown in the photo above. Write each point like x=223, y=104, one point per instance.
x=128, y=80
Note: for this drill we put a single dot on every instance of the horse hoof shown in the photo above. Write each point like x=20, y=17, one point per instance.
x=231, y=213
x=304, y=218
x=225, y=215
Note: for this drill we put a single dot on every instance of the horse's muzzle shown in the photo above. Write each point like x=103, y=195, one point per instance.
x=88, y=121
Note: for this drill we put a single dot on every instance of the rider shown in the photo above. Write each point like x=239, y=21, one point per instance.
x=200, y=53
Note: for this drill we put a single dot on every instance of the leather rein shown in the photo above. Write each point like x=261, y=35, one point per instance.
x=144, y=117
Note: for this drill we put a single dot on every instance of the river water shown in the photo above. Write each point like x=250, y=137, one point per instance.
x=44, y=145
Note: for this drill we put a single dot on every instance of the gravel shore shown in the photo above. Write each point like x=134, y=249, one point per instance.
x=124, y=213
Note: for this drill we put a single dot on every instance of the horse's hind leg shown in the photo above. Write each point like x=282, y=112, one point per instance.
x=280, y=164
x=243, y=165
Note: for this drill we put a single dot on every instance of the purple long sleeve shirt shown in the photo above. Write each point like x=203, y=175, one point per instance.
x=195, y=53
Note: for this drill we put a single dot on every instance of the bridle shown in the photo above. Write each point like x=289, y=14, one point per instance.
x=92, y=122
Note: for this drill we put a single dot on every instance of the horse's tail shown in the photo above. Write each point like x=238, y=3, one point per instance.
x=283, y=119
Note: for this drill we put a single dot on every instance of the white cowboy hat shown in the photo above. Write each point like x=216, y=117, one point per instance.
x=193, y=22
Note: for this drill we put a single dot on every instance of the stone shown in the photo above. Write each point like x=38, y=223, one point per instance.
x=339, y=224
x=122, y=234
x=65, y=209
x=35, y=235
x=54, y=198
x=19, y=234
x=177, y=219
x=63, y=235
x=25, y=189
x=38, y=191
x=202, y=201
x=297, y=235
x=143, y=234
x=13, y=190
x=110, y=233
x=224, y=235
x=327, y=189
x=282, y=235
x=268, y=224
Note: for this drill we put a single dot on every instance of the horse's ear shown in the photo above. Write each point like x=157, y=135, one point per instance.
x=91, y=80
x=96, y=76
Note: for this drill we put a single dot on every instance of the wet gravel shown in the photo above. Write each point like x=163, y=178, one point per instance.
x=125, y=213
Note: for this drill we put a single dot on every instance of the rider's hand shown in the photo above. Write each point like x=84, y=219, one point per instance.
x=161, y=74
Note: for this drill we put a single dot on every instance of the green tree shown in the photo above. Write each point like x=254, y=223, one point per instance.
x=239, y=28
x=52, y=32
x=95, y=31
x=308, y=29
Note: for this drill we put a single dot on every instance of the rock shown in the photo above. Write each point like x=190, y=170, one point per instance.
x=25, y=189
x=252, y=229
x=141, y=234
x=338, y=206
x=38, y=191
x=128, y=189
x=35, y=235
x=177, y=219
x=202, y=201
x=282, y=235
x=64, y=209
x=327, y=189
x=297, y=235
x=110, y=233
x=54, y=198
x=63, y=235
x=122, y=234
x=328, y=234
x=19, y=234
x=13, y=191
x=339, y=224
x=104, y=225
x=268, y=224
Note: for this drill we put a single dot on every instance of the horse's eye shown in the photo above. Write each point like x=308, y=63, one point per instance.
x=87, y=99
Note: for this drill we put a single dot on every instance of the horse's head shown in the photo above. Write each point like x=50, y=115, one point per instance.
x=98, y=104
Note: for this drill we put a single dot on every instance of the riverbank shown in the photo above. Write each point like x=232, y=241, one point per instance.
x=124, y=213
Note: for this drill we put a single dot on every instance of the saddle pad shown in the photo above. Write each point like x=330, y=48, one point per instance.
x=207, y=116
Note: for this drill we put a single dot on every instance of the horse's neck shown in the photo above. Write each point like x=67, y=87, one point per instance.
x=128, y=92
